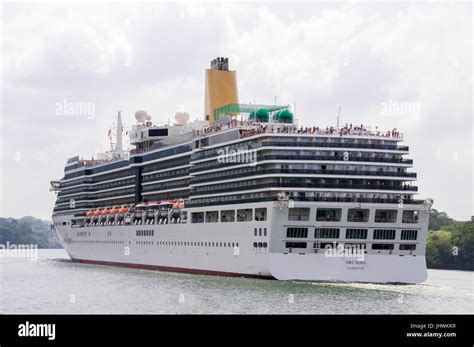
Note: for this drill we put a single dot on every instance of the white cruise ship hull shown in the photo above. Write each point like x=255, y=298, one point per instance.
x=228, y=249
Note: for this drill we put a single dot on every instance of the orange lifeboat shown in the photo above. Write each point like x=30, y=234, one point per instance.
x=114, y=210
x=123, y=209
x=90, y=213
x=106, y=210
x=97, y=212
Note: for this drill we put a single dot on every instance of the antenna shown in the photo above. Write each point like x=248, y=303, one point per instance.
x=118, y=146
x=338, y=116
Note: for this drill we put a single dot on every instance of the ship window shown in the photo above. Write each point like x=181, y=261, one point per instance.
x=261, y=214
x=409, y=235
x=297, y=232
x=298, y=214
x=255, y=244
x=326, y=233
x=197, y=217
x=328, y=215
x=244, y=215
x=255, y=231
x=356, y=233
x=158, y=132
x=355, y=246
x=385, y=216
x=264, y=231
x=357, y=215
x=295, y=245
x=410, y=216
x=227, y=216
x=380, y=246
x=184, y=217
x=407, y=247
x=265, y=244
x=212, y=216
x=381, y=234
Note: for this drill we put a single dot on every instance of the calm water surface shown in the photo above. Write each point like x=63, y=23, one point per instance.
x=54, y=284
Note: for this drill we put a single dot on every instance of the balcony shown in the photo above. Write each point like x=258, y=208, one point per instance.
x=215, y=189
x=224, y=176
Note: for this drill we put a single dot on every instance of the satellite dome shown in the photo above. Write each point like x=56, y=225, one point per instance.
x=262, y=115
x=148, y=117
x=141, y=116
x=181, y=117
x=284, y=116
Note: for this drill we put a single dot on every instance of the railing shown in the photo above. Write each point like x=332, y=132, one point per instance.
x=152, y=187
x=334, y=145
x=200, y=201
x=104, y=195
x=303, y=144
x=254, y=128
x=149, y=178
x=207, y=189
x=199, y=167
x=221, y=175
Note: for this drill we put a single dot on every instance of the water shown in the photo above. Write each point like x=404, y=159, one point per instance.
x=54, y=284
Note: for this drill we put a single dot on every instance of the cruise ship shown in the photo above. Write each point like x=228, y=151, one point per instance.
x=247, y=191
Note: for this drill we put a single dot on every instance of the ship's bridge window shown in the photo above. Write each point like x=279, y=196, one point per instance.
x=407, y=247
x=328, y=214
x=409, y=235
x=298, y=214
x=261, y=214
x=326, y=233
x=385, y=216
x=355, y=246
x=295, y=244
x=244, y=215
x=381, y=234
x=410, y=216
x=356, y=233
x=380, y=246
x=212, y=216
x=197, y=217
x=358, y=215
x=297, y=232
x=227, y=216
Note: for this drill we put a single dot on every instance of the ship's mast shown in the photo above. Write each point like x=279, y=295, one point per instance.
x=118, y=146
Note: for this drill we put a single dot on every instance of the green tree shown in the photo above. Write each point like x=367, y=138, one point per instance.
x=439, y=249
x=438, y=220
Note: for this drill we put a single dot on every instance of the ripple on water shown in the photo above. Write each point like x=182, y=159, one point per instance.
x=46, y=286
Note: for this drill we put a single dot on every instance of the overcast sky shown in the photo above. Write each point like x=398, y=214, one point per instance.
x=367, y=58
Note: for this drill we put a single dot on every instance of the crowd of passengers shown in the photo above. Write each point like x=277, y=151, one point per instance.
x=258, y=128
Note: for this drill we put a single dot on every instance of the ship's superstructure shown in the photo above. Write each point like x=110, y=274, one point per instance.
x=248, y=192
